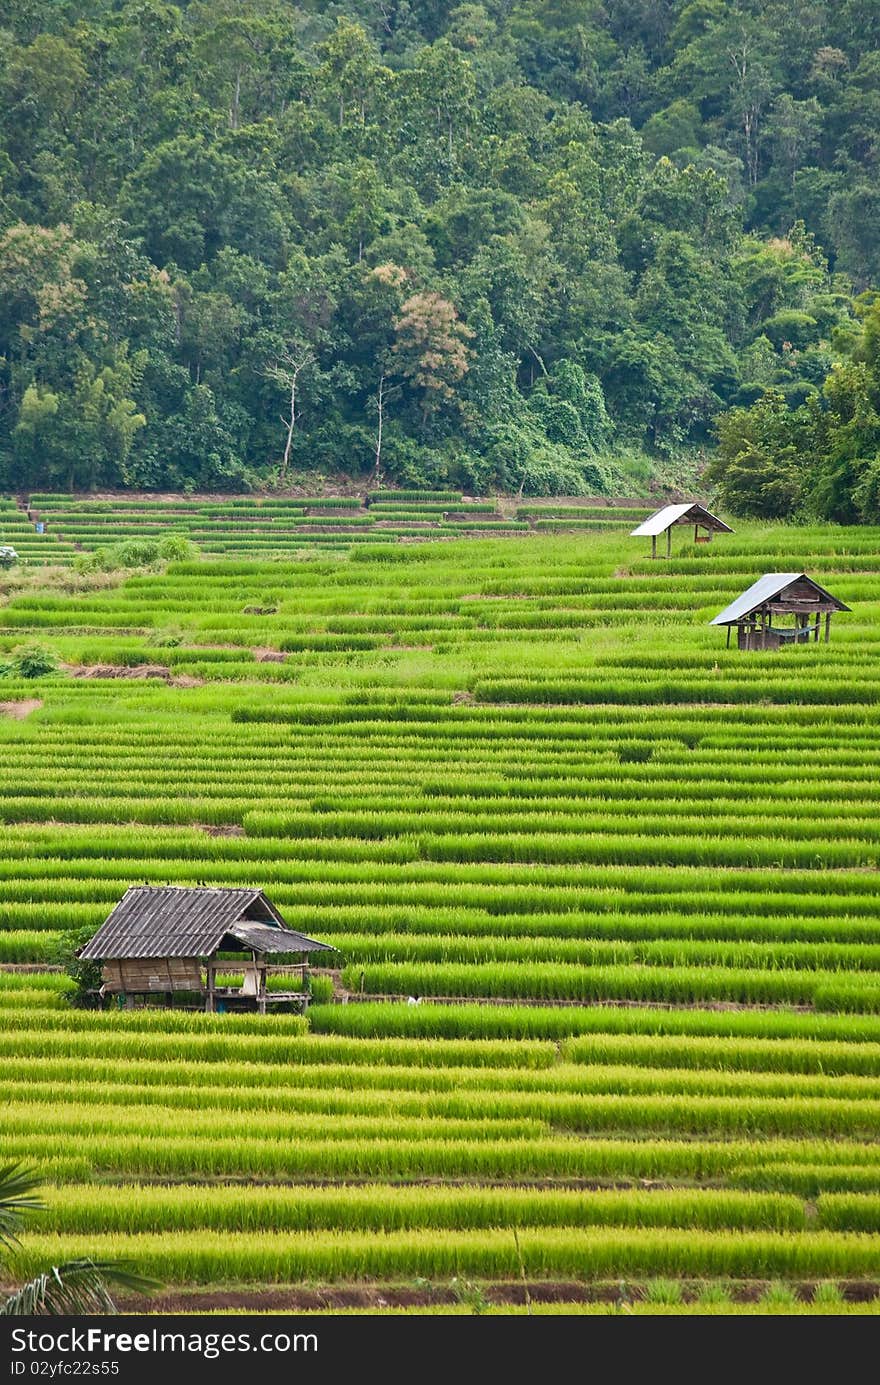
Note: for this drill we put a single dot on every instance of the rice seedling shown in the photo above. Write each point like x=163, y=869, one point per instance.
x=516, y=768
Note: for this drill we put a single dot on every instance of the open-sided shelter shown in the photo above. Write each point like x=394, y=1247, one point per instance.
x=772, y=597
x=165, y=938
x=664, y=521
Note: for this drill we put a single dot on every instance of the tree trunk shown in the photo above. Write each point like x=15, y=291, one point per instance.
x=380, y=410
x=291, y=424
x=286, y=372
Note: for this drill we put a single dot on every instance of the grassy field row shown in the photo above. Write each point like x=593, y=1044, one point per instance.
x=521, y=771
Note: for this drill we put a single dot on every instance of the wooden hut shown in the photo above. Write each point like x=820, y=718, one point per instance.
x=774, y=596
x=165, y=939
x=664, y=521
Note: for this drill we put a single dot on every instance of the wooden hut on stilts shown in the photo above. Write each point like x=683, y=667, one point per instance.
x=757, y=613
x=163, y=940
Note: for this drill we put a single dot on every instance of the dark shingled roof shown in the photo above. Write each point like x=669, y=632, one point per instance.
x=178, y=921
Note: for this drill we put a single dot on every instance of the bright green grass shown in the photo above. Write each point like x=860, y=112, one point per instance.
x=519, y=768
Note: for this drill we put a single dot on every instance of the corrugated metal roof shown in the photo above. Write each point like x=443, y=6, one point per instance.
x=183, y=921
x=266, y=939
x=661, y=520
x=764, y=590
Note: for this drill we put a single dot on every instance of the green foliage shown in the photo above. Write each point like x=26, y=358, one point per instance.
x=321, y=989
x=779, y=1295
x=137, y=553
x=76, y=1287
x=522, y=235
x=828, y=1294
x=470, y=1295
x=758, y=467
x=665, y=1291
x=29, y=661
x=85, y=975
x=510, y=769
x=775, y=459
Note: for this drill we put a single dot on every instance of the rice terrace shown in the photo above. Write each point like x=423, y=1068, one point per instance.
x=597, y=1028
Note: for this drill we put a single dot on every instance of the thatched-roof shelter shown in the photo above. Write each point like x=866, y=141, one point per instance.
x=163, y=939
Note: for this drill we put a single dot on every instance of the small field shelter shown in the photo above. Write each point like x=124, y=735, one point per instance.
x=774, y=596
x=162, y=939
x=665, y=520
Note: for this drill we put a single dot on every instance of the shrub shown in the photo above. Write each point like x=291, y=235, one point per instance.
x=29, y=661
x=86, y=975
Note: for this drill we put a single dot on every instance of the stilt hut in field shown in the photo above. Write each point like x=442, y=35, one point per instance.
x=160, y=940
x=758, y=613
x=665, y=520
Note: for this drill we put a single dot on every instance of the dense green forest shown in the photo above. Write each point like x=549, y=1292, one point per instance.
x=519, y=244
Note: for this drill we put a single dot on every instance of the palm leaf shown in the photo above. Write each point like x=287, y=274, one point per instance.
x=17, y=1186
x=78, y=1288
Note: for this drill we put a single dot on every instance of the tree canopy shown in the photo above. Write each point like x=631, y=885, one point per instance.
x=481, y=244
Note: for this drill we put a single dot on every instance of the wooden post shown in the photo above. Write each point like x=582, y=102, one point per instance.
x=653, y=545
x=262, y=983
x=729, y=628
x=827, y=627
x=669, y=542
x=209, y=996
x=763, y=630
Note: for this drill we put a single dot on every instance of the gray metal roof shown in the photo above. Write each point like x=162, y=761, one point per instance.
x=274, y=939
x=689, y=512
x=182, y=921
x=771, y=585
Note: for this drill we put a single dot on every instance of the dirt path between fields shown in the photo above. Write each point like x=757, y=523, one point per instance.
x=297, y=1298
x=19, y=710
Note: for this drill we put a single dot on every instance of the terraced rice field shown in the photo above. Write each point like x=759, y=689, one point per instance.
x=273, y=527
x=631, y=874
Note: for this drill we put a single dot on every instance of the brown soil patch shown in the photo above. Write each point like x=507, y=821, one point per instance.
x=29, y=967
x=269, y=656
x=19, y=710
x=723, y=1006
x=297, y=1298
x=222, y=829
x=121, y=671
x=134, y=671
x=500, y=596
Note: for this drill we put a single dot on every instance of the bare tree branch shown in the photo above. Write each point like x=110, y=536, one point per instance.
x=383, y=393
x=286, y=372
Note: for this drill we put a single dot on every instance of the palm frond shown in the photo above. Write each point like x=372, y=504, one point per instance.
x=17, y=1185
x=78, y=1288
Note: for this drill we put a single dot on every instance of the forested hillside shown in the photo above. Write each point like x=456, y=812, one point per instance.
x=522, y=244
